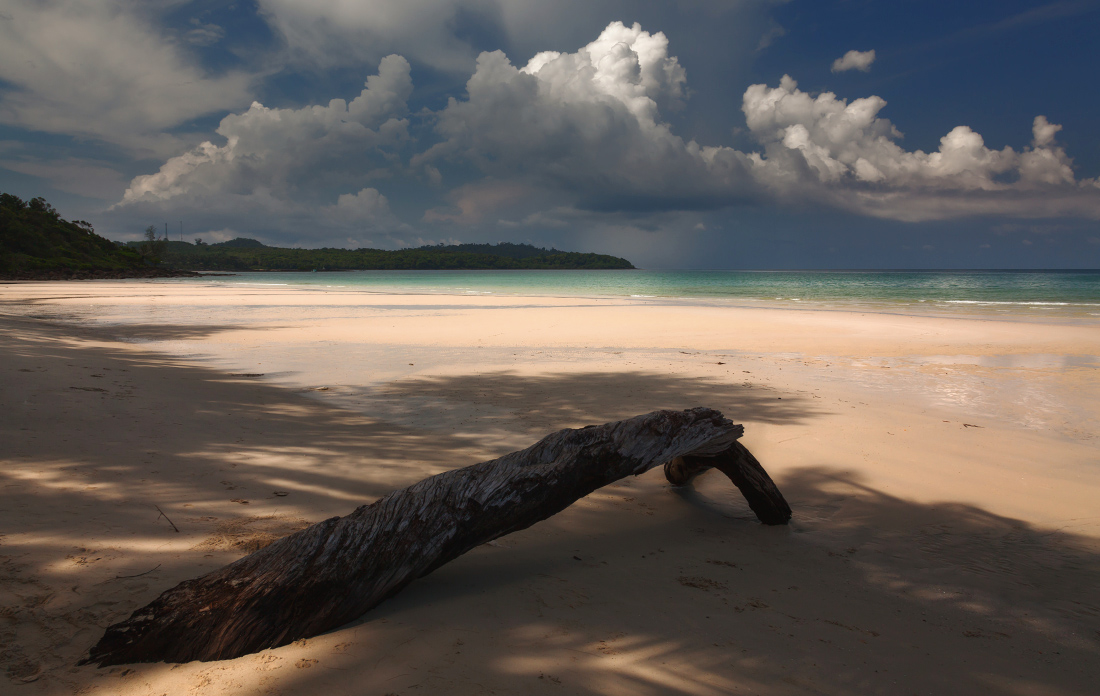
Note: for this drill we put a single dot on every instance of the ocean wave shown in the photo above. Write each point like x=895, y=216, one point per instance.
x=1006, y=302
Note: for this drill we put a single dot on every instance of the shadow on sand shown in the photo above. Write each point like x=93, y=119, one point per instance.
x=554, y=399
x=638, y=589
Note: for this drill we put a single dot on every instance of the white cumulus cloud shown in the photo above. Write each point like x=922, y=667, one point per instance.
x=281, y=164
x=854, y=60
x=844, y=154
x=569, y=137
x=289, y=150
x=588, y=123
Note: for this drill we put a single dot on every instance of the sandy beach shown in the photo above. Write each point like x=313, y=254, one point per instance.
x=944, y=474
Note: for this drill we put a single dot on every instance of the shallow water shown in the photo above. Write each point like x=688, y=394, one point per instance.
x=997, y=293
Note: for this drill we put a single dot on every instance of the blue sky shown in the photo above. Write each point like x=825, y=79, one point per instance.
x=690, y=134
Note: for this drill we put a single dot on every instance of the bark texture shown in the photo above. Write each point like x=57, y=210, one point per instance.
x=333, y=572
x=747, y=474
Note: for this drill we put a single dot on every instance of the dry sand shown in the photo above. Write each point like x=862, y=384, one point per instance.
x=944, y=475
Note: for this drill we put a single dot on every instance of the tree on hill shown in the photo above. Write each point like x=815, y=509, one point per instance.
x=152, y=249
x=36, y=242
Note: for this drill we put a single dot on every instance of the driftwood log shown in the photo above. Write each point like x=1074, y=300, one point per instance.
x=741, y=467
x=331, y=573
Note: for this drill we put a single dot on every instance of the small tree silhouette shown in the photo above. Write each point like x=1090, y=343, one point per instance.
x=152, y=248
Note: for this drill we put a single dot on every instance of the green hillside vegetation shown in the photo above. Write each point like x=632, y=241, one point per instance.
x=249, y=255
x=35, y=240
x=37, y=243
x=241, y=243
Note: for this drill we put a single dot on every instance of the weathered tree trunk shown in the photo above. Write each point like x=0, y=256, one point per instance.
x=331, y=573
x=747, y=474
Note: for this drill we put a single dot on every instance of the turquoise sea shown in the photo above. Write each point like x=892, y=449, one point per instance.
x=1025, y=293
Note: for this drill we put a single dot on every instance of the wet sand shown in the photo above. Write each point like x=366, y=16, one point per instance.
x=944, y=475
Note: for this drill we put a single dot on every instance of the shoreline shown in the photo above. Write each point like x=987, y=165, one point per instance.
x=1073, y=309
x=883, y=307
x=918, y=539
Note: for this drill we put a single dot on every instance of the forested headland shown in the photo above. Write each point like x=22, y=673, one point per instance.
x=36, y=243
x=250, y=255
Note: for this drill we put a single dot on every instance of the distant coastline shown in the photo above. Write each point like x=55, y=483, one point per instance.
x=251, y=255
x=36, y=243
